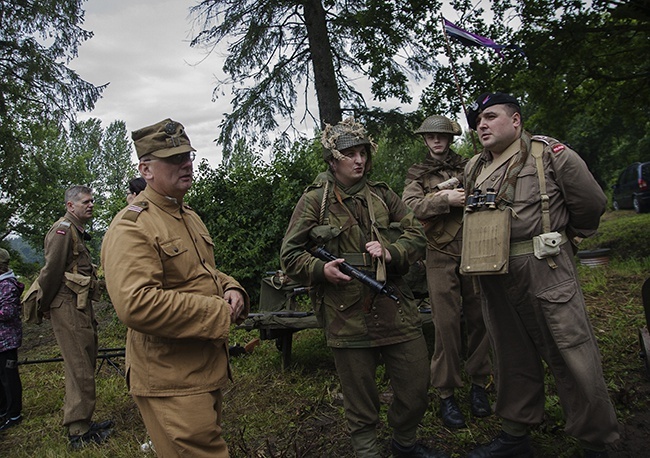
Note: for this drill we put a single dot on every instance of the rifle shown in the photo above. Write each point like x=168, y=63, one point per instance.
x=363, y=277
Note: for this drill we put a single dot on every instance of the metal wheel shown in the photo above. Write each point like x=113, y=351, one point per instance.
x=636, y=204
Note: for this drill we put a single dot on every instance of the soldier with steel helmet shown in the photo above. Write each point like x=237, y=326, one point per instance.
x=365, y=224
x=434, y=191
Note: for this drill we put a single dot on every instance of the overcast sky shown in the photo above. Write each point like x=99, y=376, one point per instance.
x=141, y=47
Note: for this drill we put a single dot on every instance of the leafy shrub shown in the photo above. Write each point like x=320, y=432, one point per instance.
x=625, y=233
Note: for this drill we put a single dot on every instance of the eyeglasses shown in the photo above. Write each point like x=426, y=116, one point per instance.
x=176, y=159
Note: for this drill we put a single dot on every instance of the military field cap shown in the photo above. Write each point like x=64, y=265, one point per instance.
x=164, y=139
x=487, y=100
x=437, y=124
x=4, y=256
x=345, y=134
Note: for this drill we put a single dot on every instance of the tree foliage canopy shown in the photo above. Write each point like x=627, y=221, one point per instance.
x=38, y=95
x=582, y=79
x=277, y=48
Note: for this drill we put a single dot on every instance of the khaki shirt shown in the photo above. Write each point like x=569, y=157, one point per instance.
x=161, y=276
x=59, y=259
x=576, y=200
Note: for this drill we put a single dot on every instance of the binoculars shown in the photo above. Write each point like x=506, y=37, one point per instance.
x=478, y=199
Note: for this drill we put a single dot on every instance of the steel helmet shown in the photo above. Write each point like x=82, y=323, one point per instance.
x=345, y=134
x=437, y=124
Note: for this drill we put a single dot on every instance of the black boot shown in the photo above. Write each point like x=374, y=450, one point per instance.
x=504, y=445
x=479, y=401
x=92, y=436
x=595, y=453
x=451, y=415
x=415, y=451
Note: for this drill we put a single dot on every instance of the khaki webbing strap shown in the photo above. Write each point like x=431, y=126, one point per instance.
x=381, y=264
x=527, y=247
x=494, y=165
x=536, y=149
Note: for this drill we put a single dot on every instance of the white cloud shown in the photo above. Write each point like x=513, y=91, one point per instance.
x=141, y=47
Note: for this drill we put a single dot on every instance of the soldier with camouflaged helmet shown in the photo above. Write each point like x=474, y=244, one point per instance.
x=531, y=198
x=353, y=218
x=434, y=191
x=158, y=259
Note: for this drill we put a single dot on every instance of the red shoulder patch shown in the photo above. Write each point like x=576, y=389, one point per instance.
x=61, y=232
x=558, y=148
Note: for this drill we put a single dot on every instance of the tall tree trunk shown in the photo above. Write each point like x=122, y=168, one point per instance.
x=327, y=91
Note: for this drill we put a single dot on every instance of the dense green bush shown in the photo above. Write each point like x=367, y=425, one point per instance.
x=625, y=233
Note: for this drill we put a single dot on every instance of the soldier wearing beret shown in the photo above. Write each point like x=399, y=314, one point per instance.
x=68, y=283
x=162, y=279
x=543, y=194
x=434, y=191
x=352, y=217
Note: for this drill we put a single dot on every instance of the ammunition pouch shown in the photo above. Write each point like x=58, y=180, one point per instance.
x=548, y=244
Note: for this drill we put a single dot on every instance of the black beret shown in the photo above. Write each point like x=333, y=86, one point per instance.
x=487, y=100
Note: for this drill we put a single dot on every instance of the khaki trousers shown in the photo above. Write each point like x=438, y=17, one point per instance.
x=536, y=313
x=76, y=334
x=453, y=299
x=184, y=426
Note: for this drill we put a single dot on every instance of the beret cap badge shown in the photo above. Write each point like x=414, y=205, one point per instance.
x=487, y=100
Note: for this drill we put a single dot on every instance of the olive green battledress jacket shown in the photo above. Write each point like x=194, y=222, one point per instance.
x=353, y=316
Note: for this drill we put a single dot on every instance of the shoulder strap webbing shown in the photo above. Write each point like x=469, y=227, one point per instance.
x=536, y=149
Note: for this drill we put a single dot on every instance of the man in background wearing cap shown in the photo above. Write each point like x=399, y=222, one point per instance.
x=68, y=282
x=11, y=336
x=351, y=217
x=434, y=191
x=161, y=276
x=535, y=310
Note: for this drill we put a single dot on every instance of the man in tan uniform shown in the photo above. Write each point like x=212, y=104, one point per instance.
x=161, y=276
x=434, y=191
x=534, y=307
x=68, y=282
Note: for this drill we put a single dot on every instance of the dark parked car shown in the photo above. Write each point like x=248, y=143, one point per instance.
x=632, y=190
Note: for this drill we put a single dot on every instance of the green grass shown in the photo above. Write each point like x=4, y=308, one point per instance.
x=271, y=412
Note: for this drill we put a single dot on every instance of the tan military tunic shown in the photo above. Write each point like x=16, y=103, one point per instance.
x=160, y=272
x=75, y=328
x=536, y=312
x=161, y=276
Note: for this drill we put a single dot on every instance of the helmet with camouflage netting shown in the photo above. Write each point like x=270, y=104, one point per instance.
x=437, y=124
x=345, y=134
